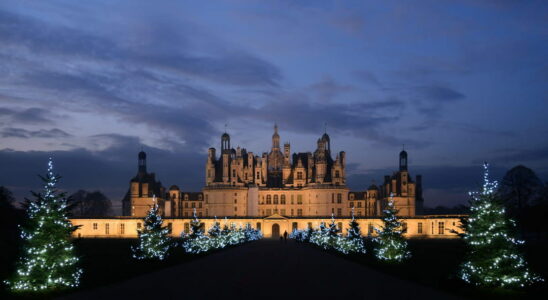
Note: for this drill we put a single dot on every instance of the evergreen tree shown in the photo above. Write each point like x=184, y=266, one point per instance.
x=196, y=241
x=391, y=246
x=354, y=240
x=493, y=258
x=332, y=234
x=154, y=242
x=48, y=261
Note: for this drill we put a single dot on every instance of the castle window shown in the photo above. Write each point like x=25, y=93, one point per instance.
x=138, y=225
x=282, y=212
x=206, y=198
x=441, y=227
x=339, y=212
x=339, y=225
x=292, y=202
x=187, y=228
x=193, y=205
x=294, y=226
x=351, y=196
x=419, y=228
x=332, y=210
x=258, y=226
x=404, y=227
x=207, y=212
x=351, y=204
x=359, y=204
x=292, y=212
x=282, y=199
x=122, y=228
x=235, y=201
x=332, y=198
x=235, y=194
x=268, y=199
x=235, y=208
x=199, y=204
x=275, y=199
x=107, y=228
x=339, y=198
x=200, y=197
x=359, y=213
x=200, y=214
x=299, y=212
x=299, y=175
x=94, y=226
x=209, y=173
x=370, y=228
x=337, y=174
x=275, y=210
x=299, y=199
x=186, y=204
x=268, y=212
x=186, y=197
x=233, y=173
x=309, y=224
x=258, y=175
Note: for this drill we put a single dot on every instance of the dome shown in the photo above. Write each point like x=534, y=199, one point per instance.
x=403, y=153
x=174, y=188
x=142, y=155
x=372, y=188
x=325, y=137
x=225, y=136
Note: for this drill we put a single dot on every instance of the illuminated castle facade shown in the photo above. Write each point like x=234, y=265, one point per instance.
x=239, y=183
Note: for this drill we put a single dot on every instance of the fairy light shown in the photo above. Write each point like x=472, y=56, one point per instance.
x=493, y=258
x=154, y=240
x=217, y=238
x=48, y=261
x=390, y=245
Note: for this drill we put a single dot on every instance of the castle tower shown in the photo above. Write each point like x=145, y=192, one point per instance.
x=142, y=162
x=403, y=160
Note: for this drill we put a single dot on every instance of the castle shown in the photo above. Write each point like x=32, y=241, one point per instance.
x=307, y=184
x=275, y=192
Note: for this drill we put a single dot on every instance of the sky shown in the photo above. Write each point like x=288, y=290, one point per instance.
x=91, y=83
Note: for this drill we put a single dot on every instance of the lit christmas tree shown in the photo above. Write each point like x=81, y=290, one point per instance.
x=354, y=240
x=493, y=258
x=154, y=242
x=391, y=246
x=332, y=234
x=196, y=241
x=48, y=261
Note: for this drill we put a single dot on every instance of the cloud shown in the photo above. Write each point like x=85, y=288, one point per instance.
x=42, y=133
x=32, y=115
x=439, y=93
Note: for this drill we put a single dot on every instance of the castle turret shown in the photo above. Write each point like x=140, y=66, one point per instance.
x=142, y=162
x=403, y=160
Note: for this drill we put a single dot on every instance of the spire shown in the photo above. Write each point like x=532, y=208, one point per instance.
x=275, y=138
x=142, y=161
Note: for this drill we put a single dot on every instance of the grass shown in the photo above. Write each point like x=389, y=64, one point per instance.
x=105, y=261
x=435, y=263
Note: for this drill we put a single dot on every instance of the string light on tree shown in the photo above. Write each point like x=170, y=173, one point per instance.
x=391, y=246
x=48, y=261
x=493, y=258
x=154, y=240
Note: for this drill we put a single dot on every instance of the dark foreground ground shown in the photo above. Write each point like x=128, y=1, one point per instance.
x=270, y=269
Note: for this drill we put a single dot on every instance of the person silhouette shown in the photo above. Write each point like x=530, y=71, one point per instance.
x=285, y=236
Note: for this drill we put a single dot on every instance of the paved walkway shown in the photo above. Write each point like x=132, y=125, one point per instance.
x=265, y=269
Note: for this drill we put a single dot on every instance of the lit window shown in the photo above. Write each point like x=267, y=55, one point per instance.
x=94, y=226
x=339, y=198
x=339, y=212
x=275, y=199
x=122, y=228
x=419, y=228
x=299, y=212
x=282, y=199
x=441, y=227
x=107, y=228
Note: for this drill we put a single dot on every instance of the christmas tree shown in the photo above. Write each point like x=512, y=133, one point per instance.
x=196, y=241
x=48, y=261
x=332, y=234
x=154, y=242
x=354, y=240
x=391, y=246
x=493, y=258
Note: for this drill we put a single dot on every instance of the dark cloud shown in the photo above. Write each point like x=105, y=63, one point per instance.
x=439, y=93
x=108, y=170
x=42, y=133
x=32, y=115
x=367, y=77
x=226, y=67
x=518, y=156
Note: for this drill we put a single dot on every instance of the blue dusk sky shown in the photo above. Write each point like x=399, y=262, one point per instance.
x=91, y=82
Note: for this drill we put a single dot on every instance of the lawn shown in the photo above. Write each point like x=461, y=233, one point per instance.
x=435, y=263
x=107, y=261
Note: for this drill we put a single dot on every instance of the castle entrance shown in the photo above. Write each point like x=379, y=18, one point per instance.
x=275, y=231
